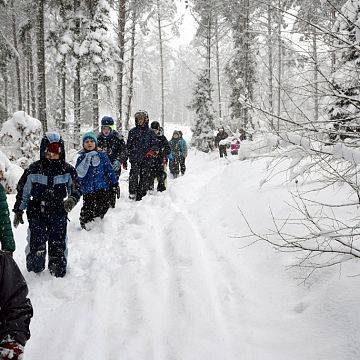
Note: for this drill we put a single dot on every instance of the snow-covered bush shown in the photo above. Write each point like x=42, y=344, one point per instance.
x=9, y=173
x=20, y=138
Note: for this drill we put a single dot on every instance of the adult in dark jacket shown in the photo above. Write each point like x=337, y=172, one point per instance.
x=159, y=161
x=15, y=310
x=221, y=135
x=42, y=190
x=6, y=234
x=97, y=180
x=142, y=146
x=114, y=145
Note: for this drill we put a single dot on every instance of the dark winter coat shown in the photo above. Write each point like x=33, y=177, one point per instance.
x=45, y=184
x=15, y=309
x=164, y=147
x=114, y=145
x=220, y=136
x=100, y=174
x=6, y=234
x=178, y=151
x=141, y=139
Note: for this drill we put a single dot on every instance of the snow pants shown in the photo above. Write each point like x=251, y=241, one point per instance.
x=182, y=164
x=94, y=205
x=222, y=150
x=158, y=173
x=139, y=179
x=112, y=195
x=174, y=167
x=51, y=229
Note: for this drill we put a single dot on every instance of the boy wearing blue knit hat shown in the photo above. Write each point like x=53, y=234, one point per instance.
x=97, y=180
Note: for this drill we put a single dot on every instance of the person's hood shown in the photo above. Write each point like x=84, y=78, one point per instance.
x=48, y=138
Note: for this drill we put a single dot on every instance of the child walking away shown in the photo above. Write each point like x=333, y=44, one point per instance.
x=114, y=145
x=15, y=310
x=157, y=163
x=221, y=135
x=175, y=155
x=142, y=146
x=6, y=234
x=97, y=180
x=42, y=190
x=183, y=150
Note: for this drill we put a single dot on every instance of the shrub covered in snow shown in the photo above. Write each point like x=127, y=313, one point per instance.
x=20, y=138
x=9, y=173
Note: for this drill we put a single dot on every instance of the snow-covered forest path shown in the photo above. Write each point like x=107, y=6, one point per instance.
x=166, y=279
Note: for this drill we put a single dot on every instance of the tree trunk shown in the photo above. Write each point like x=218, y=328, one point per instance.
x=316, y=70
x=279, y=64
x=63, y=98
x=27, y=72
x=208, y=43
x=17, y=58
x=131, y=75
x=95, y=102
x=270, y=65
x=218, y=65
x=31, y=75
x=77, y=82
x=161, y=65
x=121, y=45
x=40, y=44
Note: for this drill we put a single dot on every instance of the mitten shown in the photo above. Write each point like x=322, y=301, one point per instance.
x=151, y=154
x=69, y=204
x=116, y=190
x=18, y=219
x=11, y=350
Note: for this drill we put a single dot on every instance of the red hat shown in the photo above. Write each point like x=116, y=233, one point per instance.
x=54, y=148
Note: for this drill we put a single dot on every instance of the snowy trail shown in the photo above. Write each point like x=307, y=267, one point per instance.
x=165, y=279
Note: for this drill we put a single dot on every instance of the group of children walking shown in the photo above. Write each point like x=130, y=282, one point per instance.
x=50, y=188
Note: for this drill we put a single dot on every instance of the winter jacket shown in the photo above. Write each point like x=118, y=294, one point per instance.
x=183, y=147
x=141, y=139
x=235, y=146
x=176, y=150
x=164, y=147
x=114, y=145
x=220, y=136
x=6, y=234
x=45, y=184
x=95, y=172
x=15, y=309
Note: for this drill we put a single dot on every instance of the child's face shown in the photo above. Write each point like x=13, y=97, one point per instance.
x=52, y=156
x=89, y=144
x=105, y=130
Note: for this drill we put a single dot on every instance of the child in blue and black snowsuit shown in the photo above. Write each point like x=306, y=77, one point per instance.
x=114, y=145
x=97, y=180
x=158, y=163
x=178, y=153
x=142, y=147
x=42, y=190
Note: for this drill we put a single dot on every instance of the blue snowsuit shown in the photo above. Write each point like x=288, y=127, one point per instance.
x=140, y=141
x=42, y=190
x=97, y=179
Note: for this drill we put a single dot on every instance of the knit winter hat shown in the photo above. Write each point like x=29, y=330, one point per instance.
x=90, y=135
x=107, y=121
x=54, y=148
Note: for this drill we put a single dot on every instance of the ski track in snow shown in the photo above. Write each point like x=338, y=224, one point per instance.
x=165, y=278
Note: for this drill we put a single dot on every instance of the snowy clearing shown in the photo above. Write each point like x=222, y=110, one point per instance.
x=165, y=278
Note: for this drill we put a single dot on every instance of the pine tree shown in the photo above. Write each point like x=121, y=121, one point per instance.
x=203, y=128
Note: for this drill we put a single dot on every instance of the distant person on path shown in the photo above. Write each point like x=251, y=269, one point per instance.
x=113, y=144
x=184, y=152
x=6, y=234
x=221, y=135
x=42, y=190
x=158, y=163
x=15, y=310
x=175, y=155
x=97, y=179
x=142, y=146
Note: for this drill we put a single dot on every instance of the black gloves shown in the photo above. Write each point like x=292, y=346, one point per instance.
x=18, y=219
x=116, y=189
x=69, y=204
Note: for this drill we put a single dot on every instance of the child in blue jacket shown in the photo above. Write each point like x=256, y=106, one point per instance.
x=97, y=180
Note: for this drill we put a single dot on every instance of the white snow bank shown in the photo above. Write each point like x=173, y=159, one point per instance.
x=9, y=173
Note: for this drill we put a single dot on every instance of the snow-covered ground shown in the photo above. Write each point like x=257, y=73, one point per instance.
x=167, y=279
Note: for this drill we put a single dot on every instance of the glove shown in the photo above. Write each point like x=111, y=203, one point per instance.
x=69, y=204
x=18, y=219
x=116, y=190
x=151, y=154
x=124, y=165
x=116, y=165
x=11, y=350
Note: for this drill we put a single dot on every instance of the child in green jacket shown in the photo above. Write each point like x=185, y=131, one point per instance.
x=6, y=234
